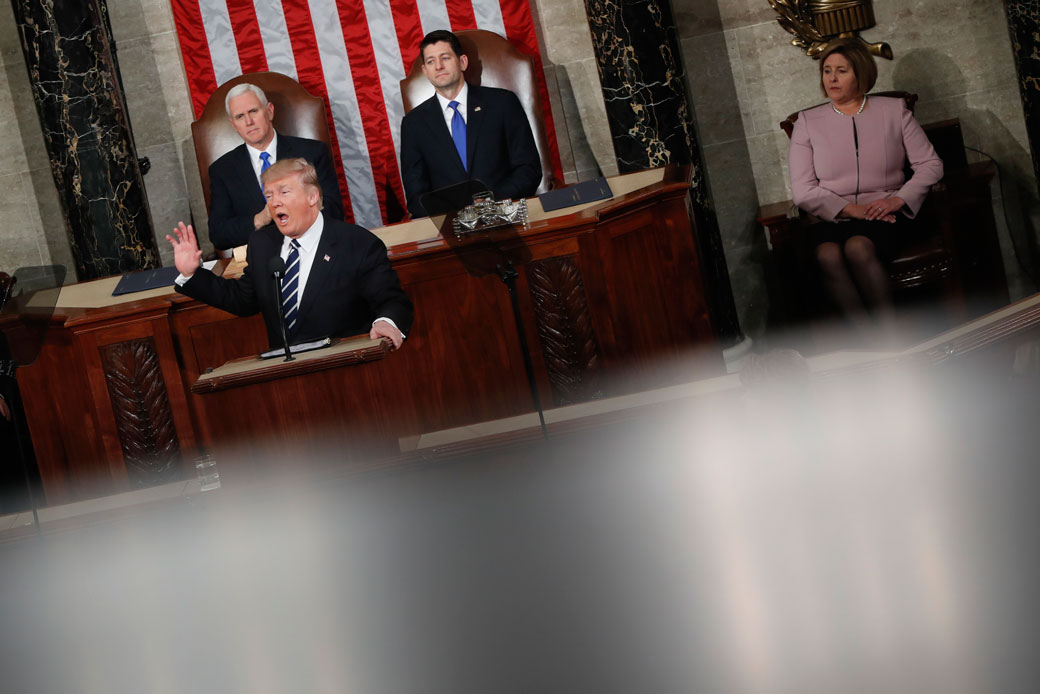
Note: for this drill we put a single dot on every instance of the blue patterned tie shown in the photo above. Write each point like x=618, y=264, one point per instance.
x=265, y=164
x=458, y=132
x=291, y=285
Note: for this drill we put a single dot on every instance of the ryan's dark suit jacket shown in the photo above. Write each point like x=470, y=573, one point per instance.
x=235, y=196
x=343, y=295
x=500, y=148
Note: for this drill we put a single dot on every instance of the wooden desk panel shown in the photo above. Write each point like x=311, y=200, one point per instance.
x=324, y=404
x=106, y=404
x=609, y=290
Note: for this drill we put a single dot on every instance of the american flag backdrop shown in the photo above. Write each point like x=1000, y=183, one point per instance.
x=353, y=53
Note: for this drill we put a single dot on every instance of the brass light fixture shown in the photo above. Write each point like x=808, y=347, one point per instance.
x=817, y=23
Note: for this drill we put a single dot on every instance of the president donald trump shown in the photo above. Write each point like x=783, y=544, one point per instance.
x=338, y=280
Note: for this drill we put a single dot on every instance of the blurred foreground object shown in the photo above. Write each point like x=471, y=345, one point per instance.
x=868, y=529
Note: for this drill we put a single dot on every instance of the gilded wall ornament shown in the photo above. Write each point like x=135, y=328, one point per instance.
x=817, y=23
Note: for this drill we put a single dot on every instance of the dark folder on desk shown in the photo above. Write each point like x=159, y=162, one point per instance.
x=579, y=193
x=145, y=280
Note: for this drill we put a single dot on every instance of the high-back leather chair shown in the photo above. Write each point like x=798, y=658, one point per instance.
x=493, y=62
x=296, y=112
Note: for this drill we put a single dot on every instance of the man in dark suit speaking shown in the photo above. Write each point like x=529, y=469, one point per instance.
x=337, y=281
x=237, y=206
x=465, y=131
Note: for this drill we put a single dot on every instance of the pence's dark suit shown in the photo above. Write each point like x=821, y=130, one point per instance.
x=235, y=196
x=500, y=148
x=351, y=283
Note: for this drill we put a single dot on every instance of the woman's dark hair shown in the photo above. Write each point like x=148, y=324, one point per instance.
x=862, y=62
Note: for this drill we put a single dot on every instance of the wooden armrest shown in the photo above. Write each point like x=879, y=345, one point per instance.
x=781, y=222
x=777, y=212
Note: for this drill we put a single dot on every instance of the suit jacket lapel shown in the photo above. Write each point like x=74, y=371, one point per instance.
x=320, y=268
x=245, y=165
x=474, y=120
x=267, y=243
x=285, y=148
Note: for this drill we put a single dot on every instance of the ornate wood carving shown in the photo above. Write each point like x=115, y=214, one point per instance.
x=565, y=328
x=142, y=412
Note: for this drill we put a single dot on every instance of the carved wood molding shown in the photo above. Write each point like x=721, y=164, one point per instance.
x=565, y=328
x=144, y=420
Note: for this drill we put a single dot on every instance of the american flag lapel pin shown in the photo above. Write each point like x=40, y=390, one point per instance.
x=327, y=258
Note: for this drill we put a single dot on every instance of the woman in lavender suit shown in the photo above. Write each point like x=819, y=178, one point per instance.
x=847, y=163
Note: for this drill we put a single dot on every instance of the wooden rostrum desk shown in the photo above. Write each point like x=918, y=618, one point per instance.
x=612, y=301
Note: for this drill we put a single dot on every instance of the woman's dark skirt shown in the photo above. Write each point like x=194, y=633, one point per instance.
x=889, y=238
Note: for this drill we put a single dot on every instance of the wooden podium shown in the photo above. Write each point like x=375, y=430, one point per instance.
x=326, y=404
x=127, y=391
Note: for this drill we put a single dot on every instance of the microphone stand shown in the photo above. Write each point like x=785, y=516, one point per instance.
x=492, y=250
x=508, y=274
x=277, y=267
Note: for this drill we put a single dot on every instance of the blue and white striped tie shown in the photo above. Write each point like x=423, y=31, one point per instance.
x=291, y=286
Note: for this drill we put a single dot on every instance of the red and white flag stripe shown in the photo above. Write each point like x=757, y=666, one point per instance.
x=353, y=53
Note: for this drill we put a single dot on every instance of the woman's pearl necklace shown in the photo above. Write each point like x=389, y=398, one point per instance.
x=862, y=104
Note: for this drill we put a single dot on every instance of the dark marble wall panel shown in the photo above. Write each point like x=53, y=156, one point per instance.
x=68, y=53
x=642, y=77
x=1024, y=22
x=651, y=122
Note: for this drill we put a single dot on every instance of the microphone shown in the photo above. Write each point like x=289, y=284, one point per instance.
x=276, y=268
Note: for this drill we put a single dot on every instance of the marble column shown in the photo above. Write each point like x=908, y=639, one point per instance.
x=652, y=124
x=1024, y=22
x=69, y=54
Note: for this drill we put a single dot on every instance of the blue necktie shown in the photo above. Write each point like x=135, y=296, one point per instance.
x=265, y=164
x=458, y=132
x=291, y=285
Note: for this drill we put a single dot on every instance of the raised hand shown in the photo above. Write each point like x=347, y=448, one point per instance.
x=186, y=254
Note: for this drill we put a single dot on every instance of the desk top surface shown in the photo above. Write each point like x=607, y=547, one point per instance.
x=98, y=293
x=249, y=370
